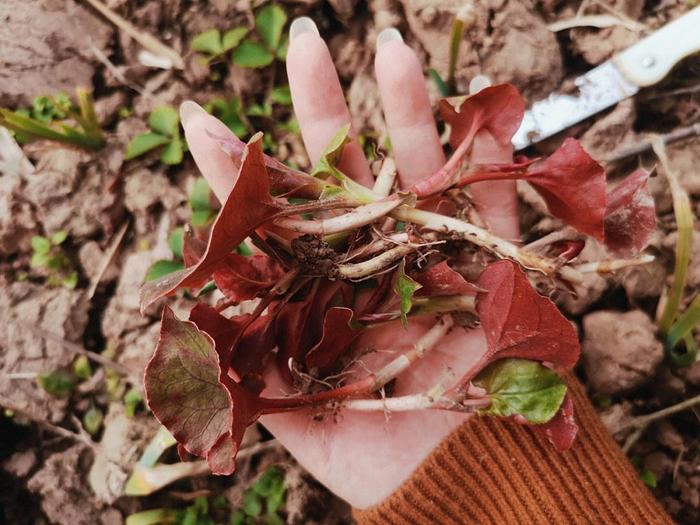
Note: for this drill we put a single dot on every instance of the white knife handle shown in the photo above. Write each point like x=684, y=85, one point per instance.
x=650, y=60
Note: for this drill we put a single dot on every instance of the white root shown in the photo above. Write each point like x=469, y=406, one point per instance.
x=386, y=178
x=426, y=343
x=486, y=240
x=360, y=216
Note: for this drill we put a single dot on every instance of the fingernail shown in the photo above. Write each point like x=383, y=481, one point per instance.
x=387, y=35
x=478, y=83
x=189, y=109
x=301, y=25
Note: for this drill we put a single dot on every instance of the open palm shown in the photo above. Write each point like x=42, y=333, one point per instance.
x=364, y=457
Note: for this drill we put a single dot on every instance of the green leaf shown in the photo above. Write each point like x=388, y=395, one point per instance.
x=242, y=249
x=281, y=95
x=70, y=281
x=439, y=82
x=260, y=110
x=269, y=23
x=164, y=120
x=648, y=478
x=92, y=420
x=144, y=143
x=253, y=55
x=200, y=195
x=233, y=37
x=208, y=42
x=405, y=287
x=132, y=399
x=281, y=52
x=252, y=505
x=59, y=237
x=82, y=368
x=163, y=267
x=40, y=260
x=151, y=517
x=173, y=152
x=229, y=113
x=57, y=383
x=175, y=241
x=522, y=387
x=41, y=245
x=202, y=218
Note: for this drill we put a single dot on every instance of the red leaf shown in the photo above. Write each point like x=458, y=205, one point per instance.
x=242, y=343
x=247, y=206
x=283, y=179
x=338, y=335
x=498, y=109
x=519, y=322
x=190, y=394
x=630, y=215
x=440, y=279
x=254, y=350
x=241, y=278
x=561, y=430
x=183, y=388
x=291, y=325
x=570, y=181
x=566, y=249
x=573, y=186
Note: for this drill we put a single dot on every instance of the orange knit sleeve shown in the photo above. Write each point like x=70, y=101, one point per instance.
x=498, y=472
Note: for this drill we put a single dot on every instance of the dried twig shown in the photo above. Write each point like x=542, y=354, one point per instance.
x=60, y=431
x=643, y=147
x=148, y=41
x=98, y=358
x=107, y=259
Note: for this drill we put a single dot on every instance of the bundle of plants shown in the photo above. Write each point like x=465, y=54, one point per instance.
x=335, y=260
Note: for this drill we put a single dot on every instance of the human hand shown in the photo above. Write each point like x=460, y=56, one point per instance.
x=364, y=457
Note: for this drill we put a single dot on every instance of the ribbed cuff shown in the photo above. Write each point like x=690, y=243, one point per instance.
x=495, y=471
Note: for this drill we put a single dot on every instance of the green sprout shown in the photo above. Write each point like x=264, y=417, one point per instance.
x=230, y=112
x=266, y=43
x=164, y=122
x=676, y=329
x=250, y=48
x=57, y=383
x=262, y=500
x=195, y=514
x=92, y=420
x=51, y=260
x=165, y=266
x=214, y=44
x=50, y=118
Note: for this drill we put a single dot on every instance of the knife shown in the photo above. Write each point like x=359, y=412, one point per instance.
x=642, y=65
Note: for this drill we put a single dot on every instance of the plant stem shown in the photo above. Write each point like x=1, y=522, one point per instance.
x=603, y=267
x=684, y=324
x=386, y=178
x=374, y=265
x=486, y=240
x=684, y=221
x=360, y=216
x=644, y=421
x=426, y=342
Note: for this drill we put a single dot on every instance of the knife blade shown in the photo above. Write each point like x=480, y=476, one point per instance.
x=644, y=64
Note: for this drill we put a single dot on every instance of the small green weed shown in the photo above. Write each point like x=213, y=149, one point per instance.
x=164, y=122
x=50, y=259
x=50, y=118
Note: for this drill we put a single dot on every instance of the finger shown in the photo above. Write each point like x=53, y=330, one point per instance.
x=409, y=117
x=213, y=163
x=496, y=201
x=318, y=98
